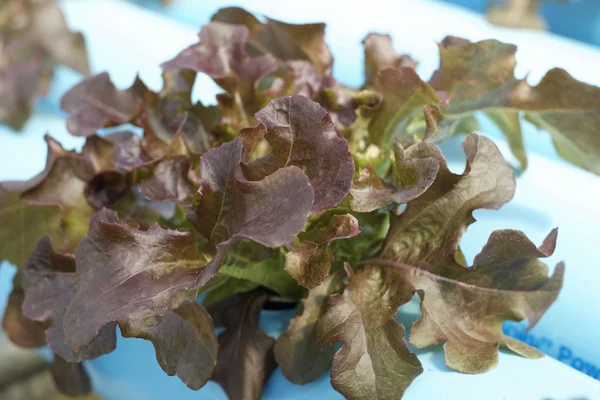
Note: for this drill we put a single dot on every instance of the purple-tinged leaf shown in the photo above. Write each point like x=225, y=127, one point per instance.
x=302, y=134
x=433, y=117
x=380, y=54
x=75, y=181
x=465, y=307
x=469, y=71
x=60, y=183
x=169, y=166
x=107, y=188
x=146, y=295
x=70, y=378
x=284, y=41
x=430, y=228
x=296, y=351
x=21, y=330
x=99, y=151
x=423, y=243
x=109, y=185
x=480, y=77
x=51, y=31
x=238, y=16
x=150, y=150
x=369, y=192
x=21, y=83
x=128, y=276
x=270, y=211
x=132, y=153
x=172, y=112
x=374, y=361
x=185, y=342
x=96, y=103
x=178, y=82
x=136, y=152
x=170, y=180
x=298, y=41
x=309, y=261
x=306, y=81
x=567, y=109
x=221, y=55
x=35, y=38
x=50, y=283
x=341, y=103
x=243, y=345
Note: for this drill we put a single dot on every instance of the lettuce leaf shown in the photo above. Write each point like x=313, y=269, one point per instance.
x=50, y=283
x=296, y=351
x=414, y=172
x=310, y=260
x=301, y=134
x=244, y=345
x=271, y=211
x=506, y=280
x=374, y=361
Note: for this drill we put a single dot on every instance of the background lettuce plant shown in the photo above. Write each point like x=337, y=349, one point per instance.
x=287, y=192
x=33, y=39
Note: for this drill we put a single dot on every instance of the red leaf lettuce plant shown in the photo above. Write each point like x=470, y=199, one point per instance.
x=288, y=192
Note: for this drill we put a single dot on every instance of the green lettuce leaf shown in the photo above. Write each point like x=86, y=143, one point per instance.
x=53, y=203
x=413, y=174
x=310, y=260
x=262, y=266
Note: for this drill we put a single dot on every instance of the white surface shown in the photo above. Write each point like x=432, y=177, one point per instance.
x=548, y=194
